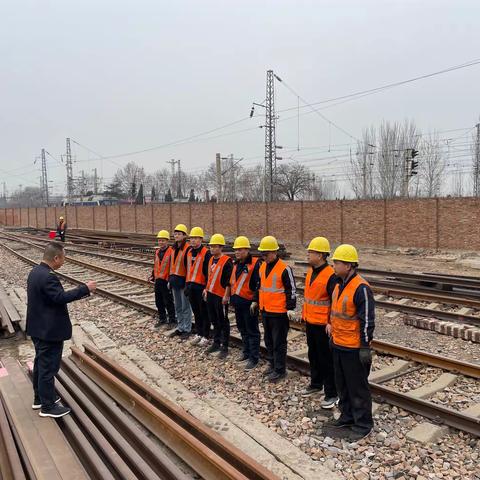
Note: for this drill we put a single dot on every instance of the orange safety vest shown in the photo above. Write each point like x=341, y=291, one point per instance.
x=161, y=269
x=316, y=301
x=195, y=267
x=343, y=317
x=272, y=291
x=177, y=266
x=215, y=270
x=241, y=285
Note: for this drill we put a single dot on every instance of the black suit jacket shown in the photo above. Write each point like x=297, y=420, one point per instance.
x=47, y=313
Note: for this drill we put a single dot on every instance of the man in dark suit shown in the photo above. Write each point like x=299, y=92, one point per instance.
x=48, y=323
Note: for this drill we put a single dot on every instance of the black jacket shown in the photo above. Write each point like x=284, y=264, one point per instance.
x=47, y=313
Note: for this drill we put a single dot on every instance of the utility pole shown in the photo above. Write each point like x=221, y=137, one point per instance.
x=44, y=177
x=69, y=165
x=172, y=163
x=218, y=164
x=270, y=145
x=476, y=164
x=179, y=186
x=95, y=182
x=410, y=168
x=82, y=188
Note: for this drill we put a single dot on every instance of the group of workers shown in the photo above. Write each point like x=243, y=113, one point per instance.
x=338, y=309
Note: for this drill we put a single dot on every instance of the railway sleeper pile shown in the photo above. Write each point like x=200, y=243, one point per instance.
x=11, y=319
x=456, y=330
x=120, y=428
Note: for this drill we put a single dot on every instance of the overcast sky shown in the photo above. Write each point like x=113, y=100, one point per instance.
x=121, y=76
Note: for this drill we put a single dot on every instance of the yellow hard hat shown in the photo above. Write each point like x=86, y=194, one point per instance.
x=60, y=218
x=181, y=228
x=196, y=232
x=217, y=239
x=241, y=242
x=346, y=253
x=319, y=244
x=163, y=234
x=268, y=244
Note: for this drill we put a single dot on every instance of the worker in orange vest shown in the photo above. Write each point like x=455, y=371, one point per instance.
x=177, y=282
x=217, y=295
x=319, y=285
x=277, y=300
x=198, y=257
x=160, y=274
x=61, y=229
x=352, y=322
x=243, y=285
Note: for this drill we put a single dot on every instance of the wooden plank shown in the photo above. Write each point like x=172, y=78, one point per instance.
x=58, y=460
x=5, y=319
x=8, y=305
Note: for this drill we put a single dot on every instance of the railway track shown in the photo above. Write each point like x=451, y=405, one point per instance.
x=454, y=418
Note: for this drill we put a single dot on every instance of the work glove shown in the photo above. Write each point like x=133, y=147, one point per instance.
x=169, y=286
x=291, y=315
x=328, y=329
x=225, y=300
x=204, y=295
x=254, y=308
x=365, y=355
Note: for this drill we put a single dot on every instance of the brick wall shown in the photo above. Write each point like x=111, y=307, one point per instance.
x=446, y=223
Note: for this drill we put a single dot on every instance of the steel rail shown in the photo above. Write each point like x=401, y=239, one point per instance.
x=204, y=450
x=10, y=463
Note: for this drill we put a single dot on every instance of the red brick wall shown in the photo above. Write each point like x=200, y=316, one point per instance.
x=447, y=223
x=252, y=220
x=127, y=218
x=202, y=217
x=225, y=219
x=144, y=218
x=412, y=223
x=285, y=221
x=459, y=223
x=161, y=218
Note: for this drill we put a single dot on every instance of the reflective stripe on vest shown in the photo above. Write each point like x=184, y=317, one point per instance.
x=316, y=304
x=197, y=275
x=214, y=275
x=161, y=268
x=177, y=266
x=343, y=317
x=241, y=286
x=272, y=291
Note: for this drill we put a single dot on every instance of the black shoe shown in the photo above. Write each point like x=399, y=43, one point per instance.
x=160, y=322
x=213, y=348
x=276, y=377
x=356, y=435
x=250, y=365
x=37, y=404
x=268, y=370
x=242, y=357
x=184, y=335
x=56, y=411
x=175, y=333
x=311, y=390
x=339, y=423
x=223, y=354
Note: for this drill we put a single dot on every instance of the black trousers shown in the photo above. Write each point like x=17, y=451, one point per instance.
x=247, y=325
x=164, y=301
x=48, y=356
x=200, y=311
x=218, y=315
x=275, y=336
x=321, y=359
x=351, y=378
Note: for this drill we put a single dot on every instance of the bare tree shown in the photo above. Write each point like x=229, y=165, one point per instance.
x=27, y=197
x=362, y=174
x=322, y=189
x=293, y=180
x=129, y=175
x=458, y=186
x=432, y=166
x=250, y=184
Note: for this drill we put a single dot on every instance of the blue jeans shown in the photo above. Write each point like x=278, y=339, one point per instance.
x=183, y=310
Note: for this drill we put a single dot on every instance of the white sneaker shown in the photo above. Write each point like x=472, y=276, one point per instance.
x=203, y=342
x=195, y=340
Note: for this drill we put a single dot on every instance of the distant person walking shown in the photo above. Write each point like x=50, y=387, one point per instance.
x=61, y=229
x=48, y=323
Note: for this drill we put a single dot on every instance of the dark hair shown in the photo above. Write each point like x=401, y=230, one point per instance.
x=52, y=250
